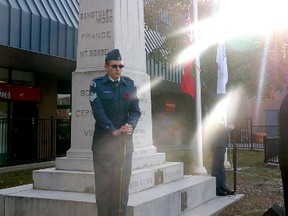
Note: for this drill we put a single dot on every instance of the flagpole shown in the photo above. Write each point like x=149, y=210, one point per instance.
x=199, y=169
x=227, y=164
x=222, y=84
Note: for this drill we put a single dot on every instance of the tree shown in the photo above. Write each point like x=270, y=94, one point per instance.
x=173, y=30
x=259, y=64
x=165, y=20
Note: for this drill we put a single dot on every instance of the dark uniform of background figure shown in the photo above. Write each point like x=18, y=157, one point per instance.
x=114, y=107
x=220, y=142
x=283, y=148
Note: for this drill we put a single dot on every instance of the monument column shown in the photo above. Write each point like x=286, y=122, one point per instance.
x=103, y=26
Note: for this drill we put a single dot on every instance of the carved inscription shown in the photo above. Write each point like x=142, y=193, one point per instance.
x=138, y=136
x=100, y=16
x=83, y=112
x=85, y=92
x=141, y=94
x=143, y=183
x=93, y=35
x=93, y=53
x=88, y=133
x=173, y=174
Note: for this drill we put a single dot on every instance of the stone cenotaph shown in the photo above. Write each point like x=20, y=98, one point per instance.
x=157, y=187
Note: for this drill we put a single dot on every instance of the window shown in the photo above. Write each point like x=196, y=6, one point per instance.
x=63, y=106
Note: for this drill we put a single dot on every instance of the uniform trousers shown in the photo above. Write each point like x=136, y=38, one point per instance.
x=107, y=182
x=218, y=168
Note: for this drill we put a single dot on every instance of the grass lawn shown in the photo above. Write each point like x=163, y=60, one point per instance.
x=260, y=184
x=15, y=178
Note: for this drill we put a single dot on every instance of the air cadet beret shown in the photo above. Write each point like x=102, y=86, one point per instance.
x=113, y=55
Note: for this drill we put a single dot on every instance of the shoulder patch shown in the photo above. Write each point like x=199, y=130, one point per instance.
x=93, y=84
x=93, y=96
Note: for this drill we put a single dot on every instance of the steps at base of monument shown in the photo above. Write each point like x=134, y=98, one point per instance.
x=32, y=202
x=173, y=199
x=83, y=182
x=86, y=164
x=163, y=200
x=213, y=206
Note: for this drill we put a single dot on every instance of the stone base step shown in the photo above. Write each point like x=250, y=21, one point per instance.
x=174, y=199
x=214, y=206
x=83, y=182
x=86, y=163
x=32, y=202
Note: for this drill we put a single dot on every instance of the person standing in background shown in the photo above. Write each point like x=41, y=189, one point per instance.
x=115, y=106
x=219, y=145
x=283, y=147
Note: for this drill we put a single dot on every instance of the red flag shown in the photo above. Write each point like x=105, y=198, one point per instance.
x=188, y=80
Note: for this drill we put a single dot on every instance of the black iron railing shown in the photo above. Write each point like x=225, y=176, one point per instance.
x=33, y=140
x=247, y=135
x=271, y=149
x=244, y=136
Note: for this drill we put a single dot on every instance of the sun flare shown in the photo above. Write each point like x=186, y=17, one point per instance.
x=238, y=17
x=253, y=16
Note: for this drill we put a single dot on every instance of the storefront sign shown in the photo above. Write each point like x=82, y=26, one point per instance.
x=170, y=105
x=17, y=92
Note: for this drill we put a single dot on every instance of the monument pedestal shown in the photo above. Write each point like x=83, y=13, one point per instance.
x=157, y=188
x=192, y=195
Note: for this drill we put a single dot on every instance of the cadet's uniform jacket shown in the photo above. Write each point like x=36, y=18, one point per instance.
x=221, y=138
x=113, y=105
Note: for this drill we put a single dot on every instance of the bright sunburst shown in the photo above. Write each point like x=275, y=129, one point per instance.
x=253, y=16
x=239, y=17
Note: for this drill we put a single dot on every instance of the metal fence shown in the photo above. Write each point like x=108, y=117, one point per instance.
x=244, y=136
x=249, y=136
x=271, y=149
x=33, y=140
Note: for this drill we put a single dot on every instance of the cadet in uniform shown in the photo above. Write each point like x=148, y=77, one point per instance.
x=115, y=107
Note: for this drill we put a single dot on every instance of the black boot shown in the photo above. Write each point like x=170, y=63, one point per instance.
x=228, y=191
x=220, y=192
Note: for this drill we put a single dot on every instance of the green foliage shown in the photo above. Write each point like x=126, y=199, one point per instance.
x=154, y=19
x=174, y=30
